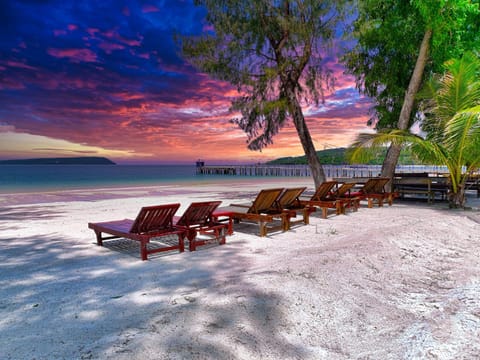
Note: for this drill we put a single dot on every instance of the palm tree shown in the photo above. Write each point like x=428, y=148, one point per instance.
x=450, y=112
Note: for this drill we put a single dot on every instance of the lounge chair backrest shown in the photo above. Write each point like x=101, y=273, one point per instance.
x=375, y=186
x=343, y=189
x=323, y=190
x=266, y=200
x=154, y=218
x=198, y=213
x=289, y=197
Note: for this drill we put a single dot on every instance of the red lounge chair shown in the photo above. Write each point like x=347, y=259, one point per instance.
x=343, y=193
x=151, y=222
x=374, y=189
x=198, y=219
x=289, y=201
x=324, y=199
x=263, y=210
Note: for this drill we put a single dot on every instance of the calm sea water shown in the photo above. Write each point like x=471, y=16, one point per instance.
x=18, y=178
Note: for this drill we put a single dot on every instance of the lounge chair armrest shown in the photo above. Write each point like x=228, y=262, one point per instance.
x=241, y=205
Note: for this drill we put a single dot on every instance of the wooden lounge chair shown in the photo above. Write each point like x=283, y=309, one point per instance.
x=198, y=219
x=264, y=210
x=374, y=190
x=343, y=193
x=324, y=199
x=289, y=201
x=151, y=222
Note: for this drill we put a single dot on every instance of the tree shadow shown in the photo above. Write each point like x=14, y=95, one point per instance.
x=19, y=213
x=67, y=298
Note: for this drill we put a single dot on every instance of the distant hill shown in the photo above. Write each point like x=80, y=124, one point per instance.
x=84, y=160
x=338, y=156
x=329, y=156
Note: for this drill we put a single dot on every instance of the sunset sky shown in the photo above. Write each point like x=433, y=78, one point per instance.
x=104, y=78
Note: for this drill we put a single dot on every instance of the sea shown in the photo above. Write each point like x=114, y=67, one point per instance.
x=39, y=178
x=33, y=178
x=42, y=178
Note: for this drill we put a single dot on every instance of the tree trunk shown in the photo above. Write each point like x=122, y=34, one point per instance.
x=456, y=200
x=305, y=139
x=393, y=153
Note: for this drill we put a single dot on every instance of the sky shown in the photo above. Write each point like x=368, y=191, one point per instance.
x=105, y=78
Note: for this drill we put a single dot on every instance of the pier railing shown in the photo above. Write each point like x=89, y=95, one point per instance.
x=331, y=171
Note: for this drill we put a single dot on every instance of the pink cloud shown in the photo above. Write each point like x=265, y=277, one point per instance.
x=21, y=65
x=75, y=55
x=6, y=128
x=143, y=56
x=92, y=31
x=59, y=32
x=110, y=33
x=47, y=81
x=130, y=42
x=109, y=47
x=12, y=84
x=72, y=27
x=150, y=8
x=113, y=34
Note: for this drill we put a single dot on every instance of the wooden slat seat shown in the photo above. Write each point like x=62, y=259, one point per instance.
x=289, y=201
x=323, y=199
x=374, y=190
x=264, y=211
x=151, y=222
x=199, y=219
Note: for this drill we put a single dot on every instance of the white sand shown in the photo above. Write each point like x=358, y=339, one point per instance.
x=400, y=282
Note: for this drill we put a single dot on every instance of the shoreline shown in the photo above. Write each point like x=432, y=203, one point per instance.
x=10, y=198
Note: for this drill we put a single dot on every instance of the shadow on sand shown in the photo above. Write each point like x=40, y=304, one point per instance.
x=61, y=299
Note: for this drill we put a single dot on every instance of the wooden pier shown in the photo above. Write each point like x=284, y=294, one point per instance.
x=331, y=171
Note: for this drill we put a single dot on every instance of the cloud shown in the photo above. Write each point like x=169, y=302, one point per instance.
x=107, y=75
x=60, y=150
x=149, y=8
x=4, y=128
x=74, y=55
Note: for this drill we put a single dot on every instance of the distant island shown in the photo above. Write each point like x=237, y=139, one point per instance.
x=84, y=160
x=338, y=156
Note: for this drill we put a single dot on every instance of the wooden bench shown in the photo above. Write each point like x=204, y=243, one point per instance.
x=414, y=185
x=473, y=183
x=428, y=186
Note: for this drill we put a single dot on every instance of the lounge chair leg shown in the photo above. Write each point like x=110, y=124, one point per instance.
x=354, y=205
x=286, y=224
x=324, y=212
x=191, y=235
x=306, y=216
x=220, y=234
x=99, y=238
x=143, y=250
x=390, y=199
x=181, y=243
x=340, y=208
x=263, y=228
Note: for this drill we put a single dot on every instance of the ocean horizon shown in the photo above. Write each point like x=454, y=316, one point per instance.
x=41, y=178
x=32, y=178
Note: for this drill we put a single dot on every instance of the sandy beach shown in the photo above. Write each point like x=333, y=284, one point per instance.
x=399, y=282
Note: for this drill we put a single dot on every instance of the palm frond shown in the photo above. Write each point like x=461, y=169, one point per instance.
x=463, y=129
x=367, y=146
